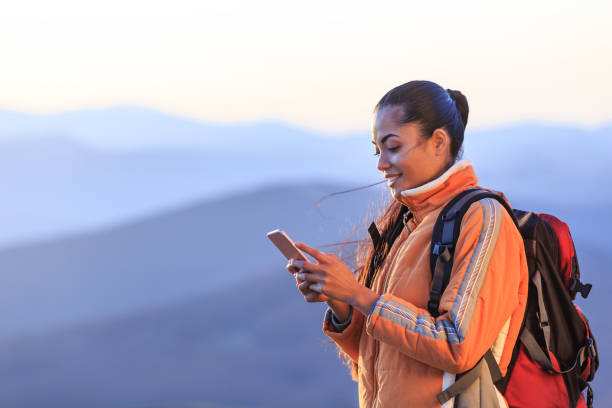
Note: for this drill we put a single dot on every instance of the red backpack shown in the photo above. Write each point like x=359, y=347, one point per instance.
x=556, y=355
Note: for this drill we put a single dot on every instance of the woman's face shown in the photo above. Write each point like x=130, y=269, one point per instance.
x=406, y=159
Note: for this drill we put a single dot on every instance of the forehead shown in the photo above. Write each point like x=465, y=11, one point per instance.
x=388, y=120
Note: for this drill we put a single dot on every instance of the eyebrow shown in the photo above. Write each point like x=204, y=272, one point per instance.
x=382, y=141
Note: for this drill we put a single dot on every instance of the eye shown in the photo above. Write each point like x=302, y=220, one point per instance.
x=391, y=149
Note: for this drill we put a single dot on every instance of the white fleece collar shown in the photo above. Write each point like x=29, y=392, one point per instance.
x=460, y=165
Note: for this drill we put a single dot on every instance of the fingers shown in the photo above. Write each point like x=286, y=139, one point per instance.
x=292, y=268
x=305, y=265
x=304, y=288
x=312, y=297
x=319, y=256
x=309, y=295
x=309, y=277
x=310, y=283
x=316, y=287
x=295, y=264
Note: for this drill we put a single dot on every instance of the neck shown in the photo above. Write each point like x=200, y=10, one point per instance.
x=430, y=196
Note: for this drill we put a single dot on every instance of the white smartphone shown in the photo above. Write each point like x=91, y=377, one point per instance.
x=285, y=245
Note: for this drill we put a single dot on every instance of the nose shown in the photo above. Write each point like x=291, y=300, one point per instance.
x=383, y=164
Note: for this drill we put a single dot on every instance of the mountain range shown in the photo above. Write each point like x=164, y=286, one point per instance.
x=194, y=306
x=136, y=272
x=72, y=172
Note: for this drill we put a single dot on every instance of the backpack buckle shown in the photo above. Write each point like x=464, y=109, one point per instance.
x=590, y=350
x=443, y=251
x=576, y=286
x=585, y=289
x=439, y=248
x=541, y=322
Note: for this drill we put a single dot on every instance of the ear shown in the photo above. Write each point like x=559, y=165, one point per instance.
x=441, y=142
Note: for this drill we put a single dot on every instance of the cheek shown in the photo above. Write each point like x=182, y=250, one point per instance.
x=404, y=164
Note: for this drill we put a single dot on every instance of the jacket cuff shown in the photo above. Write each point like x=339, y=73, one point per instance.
x=338, y=325
x=330, y=329
x=374, y=314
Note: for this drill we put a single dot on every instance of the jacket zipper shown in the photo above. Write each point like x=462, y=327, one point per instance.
x=377, y=342
x=375, y=378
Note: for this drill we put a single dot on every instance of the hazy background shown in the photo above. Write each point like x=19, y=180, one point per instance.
x=146, y=148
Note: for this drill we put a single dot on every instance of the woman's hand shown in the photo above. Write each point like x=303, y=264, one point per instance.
x=332, y=278
x=329, y=276
x=341, y=310
x=294, y=267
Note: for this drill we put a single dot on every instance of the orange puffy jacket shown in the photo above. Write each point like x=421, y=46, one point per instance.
x=405, y=356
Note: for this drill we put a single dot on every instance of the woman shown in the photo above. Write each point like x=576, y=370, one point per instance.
x=401, y=355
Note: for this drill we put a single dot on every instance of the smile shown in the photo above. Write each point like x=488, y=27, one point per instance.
x=391, y=180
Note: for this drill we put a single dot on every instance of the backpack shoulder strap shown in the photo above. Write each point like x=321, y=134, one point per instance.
x=467, y=378
x=382, y=243
x=444, y=238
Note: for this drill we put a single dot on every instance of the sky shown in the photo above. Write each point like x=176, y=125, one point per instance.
x=317, y=64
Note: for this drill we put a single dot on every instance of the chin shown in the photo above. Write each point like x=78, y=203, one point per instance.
x=396, y=193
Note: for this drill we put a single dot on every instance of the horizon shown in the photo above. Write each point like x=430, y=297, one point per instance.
x=323, y=132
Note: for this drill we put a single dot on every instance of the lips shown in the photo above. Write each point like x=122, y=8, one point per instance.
x=391, y=180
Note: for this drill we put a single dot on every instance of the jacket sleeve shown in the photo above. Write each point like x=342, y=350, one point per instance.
x=339, y=326
x=487, y=286
x=348, y=339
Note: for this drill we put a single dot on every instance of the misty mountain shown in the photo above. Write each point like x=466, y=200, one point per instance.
x=193, y=250
x=256, y=344
x=124, y=129
x=167, y=256
x=55, y=185
x=194, y=306
x=85, y=170
x=251, y=343
x=545, y=163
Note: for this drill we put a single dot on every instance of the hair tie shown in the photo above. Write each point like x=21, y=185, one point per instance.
x=449, y=96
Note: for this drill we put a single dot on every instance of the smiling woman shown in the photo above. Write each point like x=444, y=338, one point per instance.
x=403, y=350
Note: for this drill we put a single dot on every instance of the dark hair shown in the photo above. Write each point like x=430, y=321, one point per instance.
x=433, y=107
